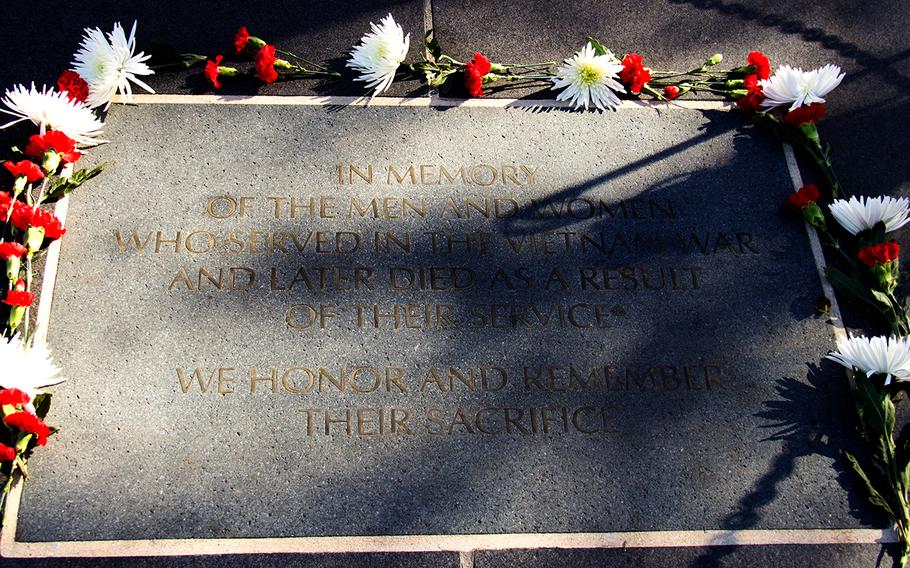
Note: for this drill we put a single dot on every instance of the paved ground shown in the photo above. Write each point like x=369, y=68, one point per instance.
x=866, y=126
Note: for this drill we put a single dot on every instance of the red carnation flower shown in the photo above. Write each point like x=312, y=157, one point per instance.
x=751, y=101
x=759, y=62
x=53, y=229
x=16, y=298
x=634, y=74
x=25, y=168
x=803, y=197
x=73, y=85
x=881, y=253
x=211, y=70
x=7, y=454
x=806, y=114
x=13, y=397
x=30, y=423
x=10, y=250
x=265, y=64
x=671, y=92
x=474, y=72
x=54, y=140
x=240, y=40
x=5, y=203
x=22, y=215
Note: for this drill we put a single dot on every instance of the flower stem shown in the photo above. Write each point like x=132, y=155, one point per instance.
x=186, y=61
x=320, y=68
x=7, y=486
x=453, y=61
x=519, y=66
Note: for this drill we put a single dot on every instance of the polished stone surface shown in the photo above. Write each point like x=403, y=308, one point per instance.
x=705, y=408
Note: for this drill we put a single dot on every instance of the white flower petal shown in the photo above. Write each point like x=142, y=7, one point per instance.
x=379, y=54
x=885, y=355
x=49, y=109
x=857, y=215
x=795, y=87
x=29, y=370
x=109, y=64
x=589, y=79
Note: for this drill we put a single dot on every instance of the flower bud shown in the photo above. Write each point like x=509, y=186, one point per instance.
x=497, y=68
x=282, y=64
x=810, y=131
x=51, y=161
x=737, y=93
x=16, y=315
x=34, y=238
x=886, y=275
x=714, y=60
x=813, y=215
x=19, y=184
x=13, y=265
x=733, y=83
x=254, y=42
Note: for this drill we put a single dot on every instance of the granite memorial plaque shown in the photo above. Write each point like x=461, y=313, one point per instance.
x=314, y=321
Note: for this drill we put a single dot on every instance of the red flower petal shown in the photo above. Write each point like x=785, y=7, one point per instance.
x=751, y=102
x=22, y=215
x=30, y=423
x=881, y=253
x=13, y=396
x=634, y=74
x=7, y=454
x=11, y=249
x=52, y=140
x=804, y=196
x=805, y=114
x=759, y=61
x=73, y=85
x=26, y=168
x=671, y=92
x=240, y=39
x=53, y=229
x=265, y=64
x=16, y=298
x=474, y=70
x=211, y=71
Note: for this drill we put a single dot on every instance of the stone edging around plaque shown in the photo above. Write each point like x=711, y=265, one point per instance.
x=467, y=543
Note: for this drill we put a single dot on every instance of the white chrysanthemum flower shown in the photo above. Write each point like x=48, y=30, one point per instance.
x=857, y=215
x=29, y=370
x=796, y=87
x=380, y=53
x=588, y=78
x=886, y=355
x=109, y=64
x=49, y=109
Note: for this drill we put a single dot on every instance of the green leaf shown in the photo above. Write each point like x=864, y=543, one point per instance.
x=64, y=186
x=874, y=496
x=877, y=414
x=881, y=297
x=441, y=78
x=432, y=45
x=42, y=404
x=599, y=48
x=902, y=459
x=848, y=285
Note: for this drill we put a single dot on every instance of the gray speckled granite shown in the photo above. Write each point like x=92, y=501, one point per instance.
x=138, y=458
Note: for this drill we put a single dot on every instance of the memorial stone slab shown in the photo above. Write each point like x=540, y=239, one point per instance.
x=304, y=320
